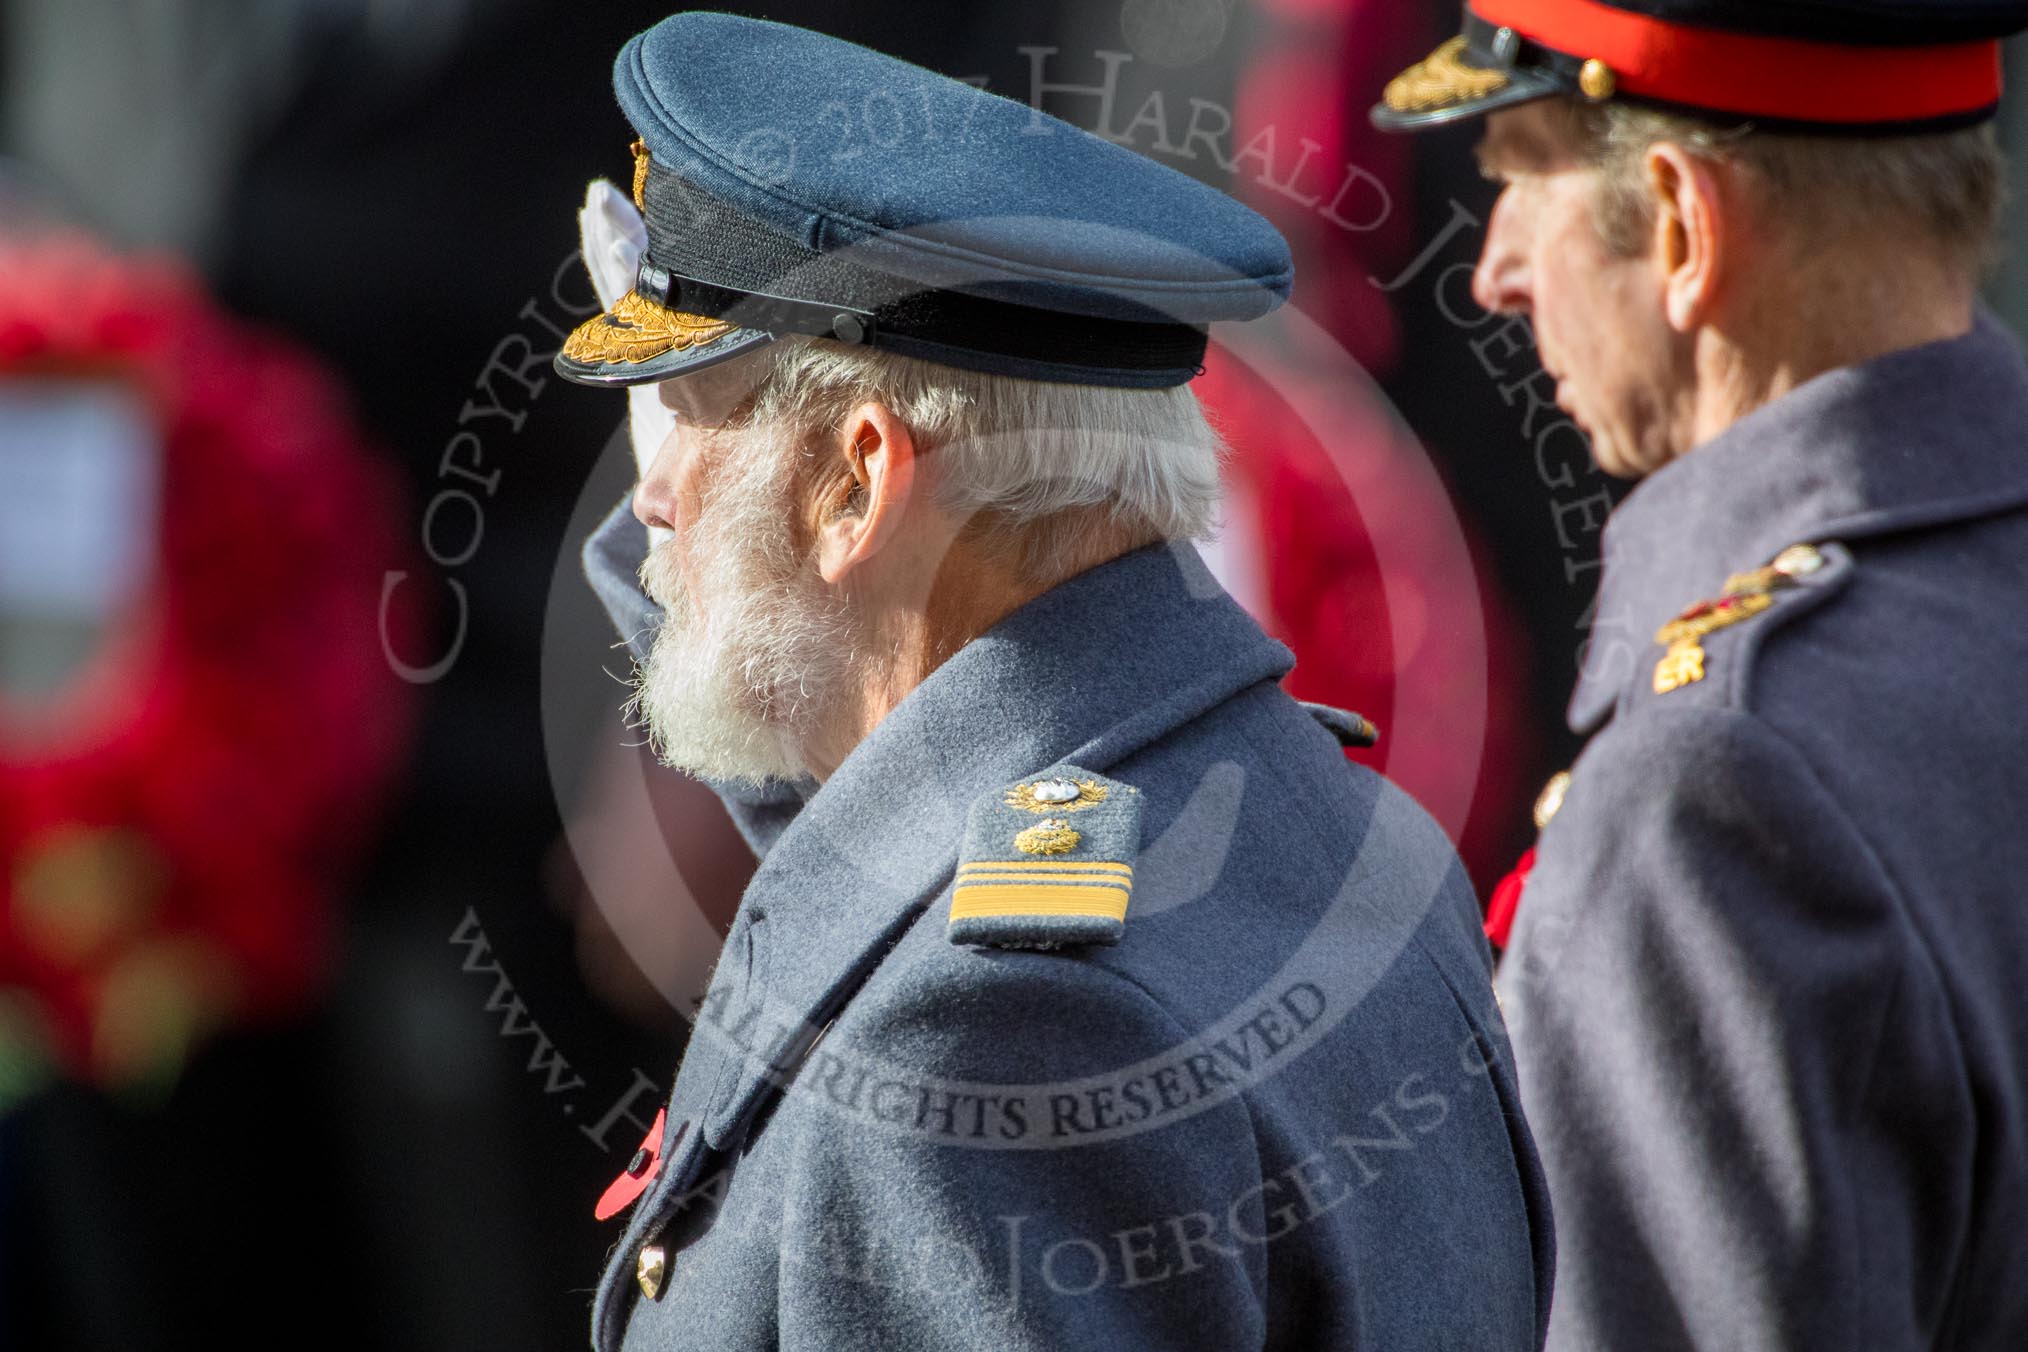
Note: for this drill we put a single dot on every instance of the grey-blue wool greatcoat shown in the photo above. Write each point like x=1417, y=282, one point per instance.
x=927, y=1104
x=1768, y=982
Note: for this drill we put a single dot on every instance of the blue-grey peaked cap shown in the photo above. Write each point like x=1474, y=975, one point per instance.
x=797, y=183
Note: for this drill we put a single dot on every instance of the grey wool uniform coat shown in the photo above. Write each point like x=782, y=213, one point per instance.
x=1768, y=981
x=1276, y=1112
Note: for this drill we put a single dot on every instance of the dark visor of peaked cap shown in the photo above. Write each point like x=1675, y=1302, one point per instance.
x=1843, y=67
x=793, y=183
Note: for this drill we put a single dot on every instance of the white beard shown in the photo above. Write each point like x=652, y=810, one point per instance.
x=740, y=675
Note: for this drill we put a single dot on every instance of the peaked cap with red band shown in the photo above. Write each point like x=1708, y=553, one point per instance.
x=1872, y=68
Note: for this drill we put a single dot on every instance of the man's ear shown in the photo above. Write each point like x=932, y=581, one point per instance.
x=865, y=491
x=1694, y=220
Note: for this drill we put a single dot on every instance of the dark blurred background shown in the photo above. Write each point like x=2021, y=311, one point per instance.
x=399, y=1144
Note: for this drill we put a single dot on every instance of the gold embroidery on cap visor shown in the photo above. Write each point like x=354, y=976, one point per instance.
x=637, y=330
x=1440, y=80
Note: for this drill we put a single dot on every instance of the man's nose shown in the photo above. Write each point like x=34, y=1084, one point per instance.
x=1501, y=284
x=654, y=501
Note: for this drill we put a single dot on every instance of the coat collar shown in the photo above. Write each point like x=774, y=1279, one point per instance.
x=1087, y=673
x=1917, y=437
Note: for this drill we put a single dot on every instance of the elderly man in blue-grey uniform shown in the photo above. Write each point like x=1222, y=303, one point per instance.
x=1766, y=977
x=1086, y=995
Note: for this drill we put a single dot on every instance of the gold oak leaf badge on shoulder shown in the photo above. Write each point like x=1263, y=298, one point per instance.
x=1052, y=835
x=1746, y=595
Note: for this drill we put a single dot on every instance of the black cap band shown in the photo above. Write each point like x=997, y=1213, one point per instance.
x=693, y=237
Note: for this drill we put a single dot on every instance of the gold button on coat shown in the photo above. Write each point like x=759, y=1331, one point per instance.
x=1798, y=561
x=1550, y=800
x=652, y=1267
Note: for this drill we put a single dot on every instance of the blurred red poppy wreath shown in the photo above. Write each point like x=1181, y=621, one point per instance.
x=197, y=538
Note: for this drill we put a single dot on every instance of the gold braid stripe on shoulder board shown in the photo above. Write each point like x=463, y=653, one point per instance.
x=1746, y=595
x=1723, y=615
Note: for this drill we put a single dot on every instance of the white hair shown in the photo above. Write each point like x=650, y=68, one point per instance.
x=747, y=670
x=1050, y=467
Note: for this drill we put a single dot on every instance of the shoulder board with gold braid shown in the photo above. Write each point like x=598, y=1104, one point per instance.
x=1048, y=861
x=1745, y=595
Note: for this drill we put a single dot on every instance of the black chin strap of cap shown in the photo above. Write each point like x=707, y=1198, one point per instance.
x=691, y=236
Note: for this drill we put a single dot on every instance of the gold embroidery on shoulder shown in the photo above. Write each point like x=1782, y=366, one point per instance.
x=1746, y=595
x=1053, y=836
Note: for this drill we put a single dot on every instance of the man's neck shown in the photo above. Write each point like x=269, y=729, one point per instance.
x=962, y=596
x=1822, y=322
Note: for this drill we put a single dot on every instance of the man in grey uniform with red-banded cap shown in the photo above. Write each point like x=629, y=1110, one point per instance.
x=1766, y=974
